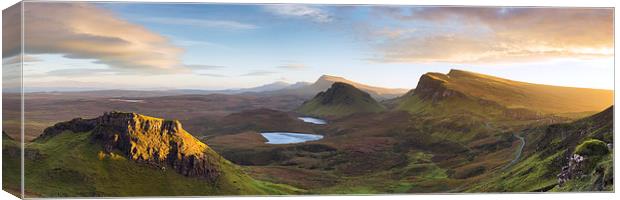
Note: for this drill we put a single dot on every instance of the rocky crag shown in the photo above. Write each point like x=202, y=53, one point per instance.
x=158, y=142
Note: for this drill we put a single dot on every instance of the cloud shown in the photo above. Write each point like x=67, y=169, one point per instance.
x=80, y=72
x=85, y=31
x=16, y=59
x=11, y=34
x=297, y=10
x=203, y=23
x=259, y=73
x=204, y=67
x=213, y=75
x=494, y=34
x=293, y=66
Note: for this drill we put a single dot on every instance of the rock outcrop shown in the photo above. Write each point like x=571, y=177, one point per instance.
x=431, y=86
x=158, y=142
x=75, y=125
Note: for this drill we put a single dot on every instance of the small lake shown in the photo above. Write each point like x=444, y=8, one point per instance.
x=289, y=138
x=313, y=120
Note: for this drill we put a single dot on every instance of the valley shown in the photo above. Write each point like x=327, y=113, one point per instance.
x=455, y=132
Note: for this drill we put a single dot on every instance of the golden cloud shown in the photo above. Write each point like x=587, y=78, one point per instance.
x=78, y=30
x=493, y=34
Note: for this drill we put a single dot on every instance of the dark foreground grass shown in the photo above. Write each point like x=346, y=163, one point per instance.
x=11, y=166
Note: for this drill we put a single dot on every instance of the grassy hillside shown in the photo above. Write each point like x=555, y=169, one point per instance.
x=77, y=164
x=520, y=95
x=340, y=99
x=386, y=152
x=11, y=165
x=547, y=152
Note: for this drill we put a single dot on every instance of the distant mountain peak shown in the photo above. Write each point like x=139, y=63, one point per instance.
x=279, y=83
x=339, y=100
x=330, y=77
x=324, y=82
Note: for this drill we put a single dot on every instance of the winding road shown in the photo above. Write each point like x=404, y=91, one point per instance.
x=519, y=151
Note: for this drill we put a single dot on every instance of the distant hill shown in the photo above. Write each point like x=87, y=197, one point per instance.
x=484, y=90
x=326, y=81
x=128, y=154
x=339, y=100
x=268, y=87
x=304, y=89
x=279, y=85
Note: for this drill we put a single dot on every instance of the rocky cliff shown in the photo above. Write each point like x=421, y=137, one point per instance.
x=432, y=86
x=546, y=99
x=465, y=92
x=149, y=140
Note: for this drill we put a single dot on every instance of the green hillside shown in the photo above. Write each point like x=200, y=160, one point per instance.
x=340, y=99
x=11, y=165
x=513, y=95
x=161, y=159
x=547, y=152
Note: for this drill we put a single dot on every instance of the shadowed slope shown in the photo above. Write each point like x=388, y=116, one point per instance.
x=339, y=100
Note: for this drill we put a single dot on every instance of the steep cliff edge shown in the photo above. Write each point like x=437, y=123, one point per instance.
x=147, y=140
x=433, y=86
x=128, y=154
x=545, y=99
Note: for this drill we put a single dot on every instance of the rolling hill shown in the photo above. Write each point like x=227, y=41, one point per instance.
x=339, y=100
x=128, y=154
x=326, y=81
x=517, y=98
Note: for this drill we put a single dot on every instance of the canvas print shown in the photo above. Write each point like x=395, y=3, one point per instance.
x=127, y=99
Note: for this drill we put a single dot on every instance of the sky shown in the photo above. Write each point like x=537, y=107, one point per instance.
x=223, y=46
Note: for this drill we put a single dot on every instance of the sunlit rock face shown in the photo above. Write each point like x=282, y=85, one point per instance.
x=431, y=87
x=148, y=140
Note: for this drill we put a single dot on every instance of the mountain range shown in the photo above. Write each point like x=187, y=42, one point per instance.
x=303, y=89
x=324, y=82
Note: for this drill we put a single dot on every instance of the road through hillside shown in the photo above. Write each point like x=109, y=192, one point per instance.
x=519, y=151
